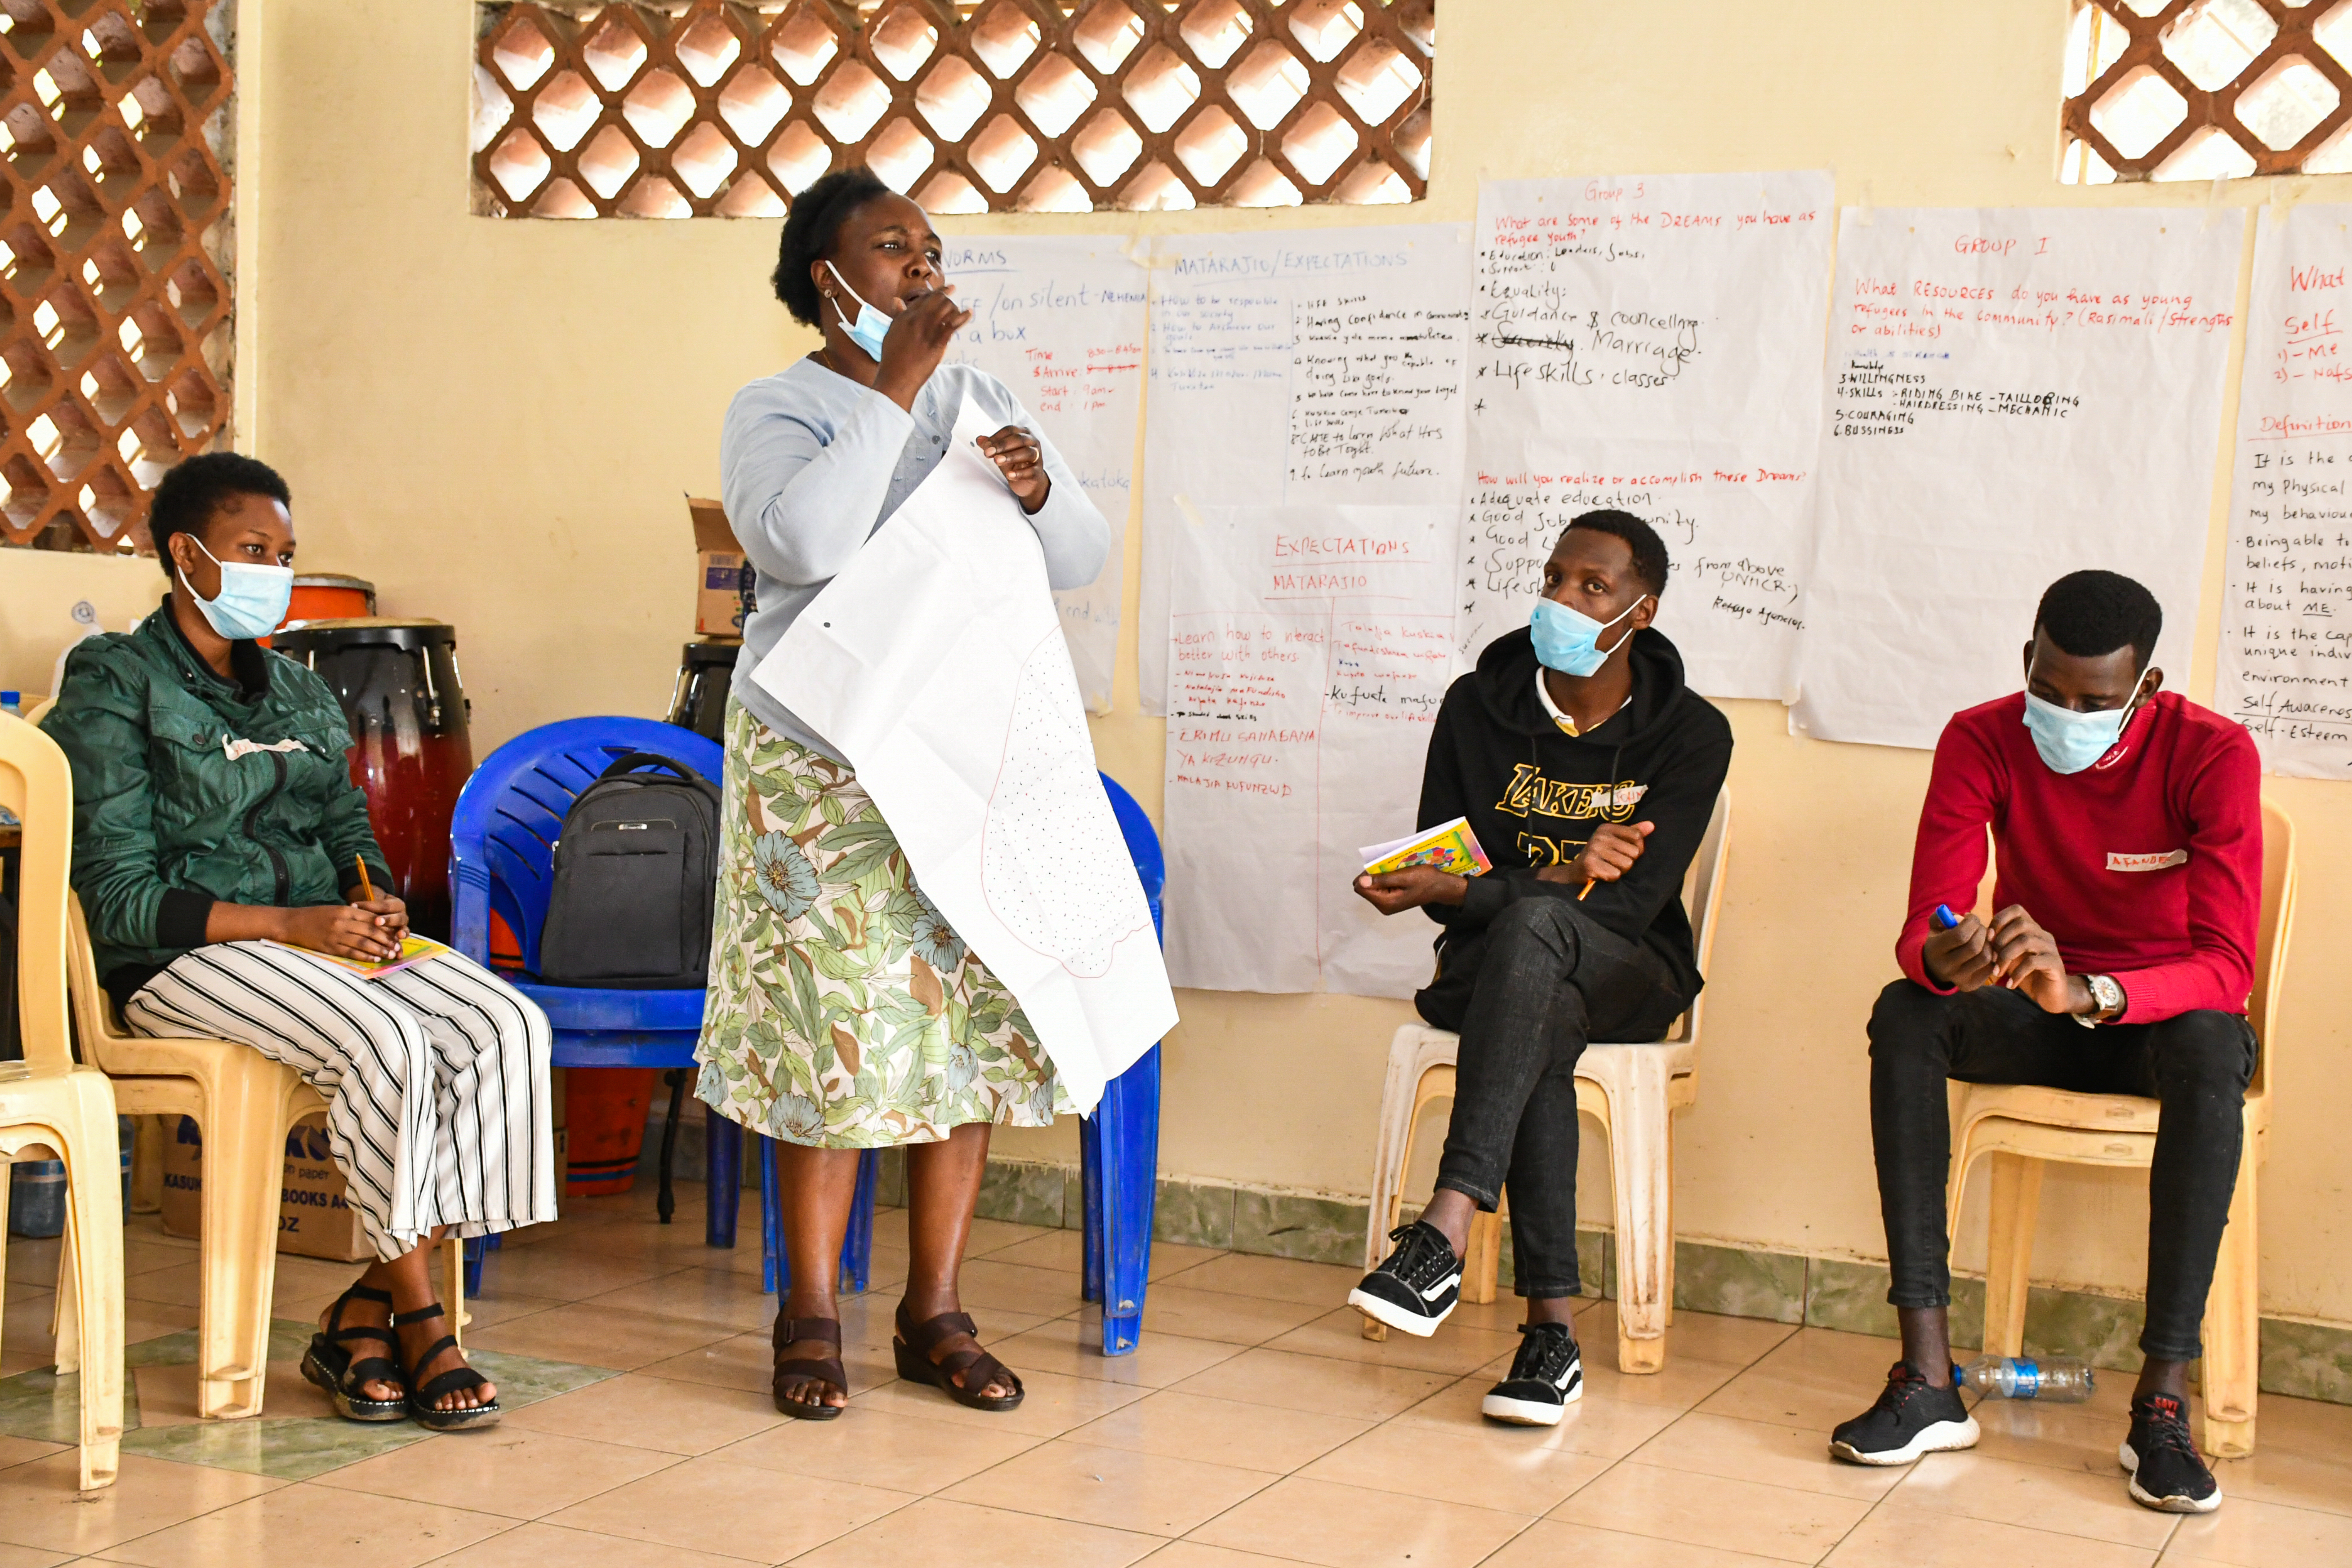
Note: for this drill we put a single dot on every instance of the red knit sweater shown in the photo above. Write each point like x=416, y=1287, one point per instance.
x=2146, y=866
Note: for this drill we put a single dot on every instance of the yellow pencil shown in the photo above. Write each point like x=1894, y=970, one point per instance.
x=1588, y=882
x=367, y=889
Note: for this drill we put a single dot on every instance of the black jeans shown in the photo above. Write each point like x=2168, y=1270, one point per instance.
x=1547, y=980
x=2197, y=1065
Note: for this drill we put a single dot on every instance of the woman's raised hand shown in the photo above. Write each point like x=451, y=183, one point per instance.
x=915, y=342
x=1022, y=461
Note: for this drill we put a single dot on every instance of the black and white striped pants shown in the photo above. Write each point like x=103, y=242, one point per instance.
x=436, y=1077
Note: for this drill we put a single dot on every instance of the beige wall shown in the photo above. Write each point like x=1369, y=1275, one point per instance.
x=494, y=422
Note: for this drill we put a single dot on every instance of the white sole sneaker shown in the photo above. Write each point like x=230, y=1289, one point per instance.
x=1938, y=1438
x=2130, y=1462
x=1529, y=1412
x=1382, y=1312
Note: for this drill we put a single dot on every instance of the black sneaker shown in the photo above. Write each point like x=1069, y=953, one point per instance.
x=1546, y=1377
x=1415, y=1286
x=1911, y=1419
x=2166, y=1472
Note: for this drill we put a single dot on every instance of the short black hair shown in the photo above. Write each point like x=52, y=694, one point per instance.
x=1650, y=562
x=185, y=502
x=810, y=230
x=2087, y=614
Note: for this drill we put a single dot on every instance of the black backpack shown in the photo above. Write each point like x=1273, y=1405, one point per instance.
x=635, y=879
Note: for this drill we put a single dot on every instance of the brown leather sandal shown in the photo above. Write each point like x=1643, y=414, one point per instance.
x=827, y=1373
x=912, y=1348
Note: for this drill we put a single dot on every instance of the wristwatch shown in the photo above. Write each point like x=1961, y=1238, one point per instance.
x=2107, y=999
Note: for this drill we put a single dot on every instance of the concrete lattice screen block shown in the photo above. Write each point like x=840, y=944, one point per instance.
x=2200, y=90
x=706, y=108
x=115, y=304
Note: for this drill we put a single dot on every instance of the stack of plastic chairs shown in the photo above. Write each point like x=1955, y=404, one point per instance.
x=47, y=1099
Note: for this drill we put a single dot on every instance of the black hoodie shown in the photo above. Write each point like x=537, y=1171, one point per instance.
x=1534, y=794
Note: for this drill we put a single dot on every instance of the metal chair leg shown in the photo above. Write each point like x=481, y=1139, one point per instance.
x=666, y=1201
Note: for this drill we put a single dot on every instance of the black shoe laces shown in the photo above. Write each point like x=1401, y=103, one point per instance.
x=1422, y=1254
x=1904, y=1383
x=1544, y=1353
x=2167, y=1429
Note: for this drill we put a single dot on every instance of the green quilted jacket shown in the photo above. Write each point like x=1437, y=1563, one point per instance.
x=190, y=789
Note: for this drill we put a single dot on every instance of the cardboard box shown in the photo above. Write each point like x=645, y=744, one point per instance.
x=718, y=569
x=312, y=1218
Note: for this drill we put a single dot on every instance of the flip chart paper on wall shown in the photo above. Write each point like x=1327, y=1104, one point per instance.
x=1310, y=647
x=936, y=663
x=1060, y=320
x=2013, y=395
x=2285, y=666
x=1318, y=368
x=1654, y=344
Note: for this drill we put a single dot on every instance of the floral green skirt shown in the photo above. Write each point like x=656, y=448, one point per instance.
x=843, y=1011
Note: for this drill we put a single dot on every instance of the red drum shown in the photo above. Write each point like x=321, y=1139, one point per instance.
x=397, y=680
x=322, y=596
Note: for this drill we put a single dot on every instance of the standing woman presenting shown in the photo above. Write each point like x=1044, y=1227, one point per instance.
x=843, y=1012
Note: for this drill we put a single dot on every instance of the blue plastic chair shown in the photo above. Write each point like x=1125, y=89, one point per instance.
x=1118, y=1154
x=1119, y=1145
x=501, y=848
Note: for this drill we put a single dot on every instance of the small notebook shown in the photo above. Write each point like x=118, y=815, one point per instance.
x=413, y=950
x=1449, y=847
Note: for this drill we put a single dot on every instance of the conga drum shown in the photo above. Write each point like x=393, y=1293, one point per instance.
x=322, y=596
x=397, y=680
x=699, y=698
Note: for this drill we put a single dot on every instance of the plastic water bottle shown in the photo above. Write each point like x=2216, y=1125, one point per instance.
x=2060, y=1379
x=12, y=702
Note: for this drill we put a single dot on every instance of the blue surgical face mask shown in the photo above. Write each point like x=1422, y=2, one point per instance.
x=2071, y=741
x=1569, y=640
x=252, y=599
x=871, y=326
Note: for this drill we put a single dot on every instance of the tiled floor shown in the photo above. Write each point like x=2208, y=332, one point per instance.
x=1255, y=1427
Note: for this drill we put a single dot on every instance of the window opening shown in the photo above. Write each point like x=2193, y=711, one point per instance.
x=116, y=128
x=704, y=108
x=2200, y=89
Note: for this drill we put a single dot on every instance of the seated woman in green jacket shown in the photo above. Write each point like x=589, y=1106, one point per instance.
x=218, y=841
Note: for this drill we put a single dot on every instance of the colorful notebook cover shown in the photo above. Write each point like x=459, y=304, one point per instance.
x=413, y=950
x=1449, y=847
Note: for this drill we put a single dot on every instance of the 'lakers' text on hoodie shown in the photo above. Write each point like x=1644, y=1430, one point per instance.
x=1534, y=795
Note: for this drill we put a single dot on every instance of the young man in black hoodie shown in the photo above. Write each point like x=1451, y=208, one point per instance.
x=1589, y=772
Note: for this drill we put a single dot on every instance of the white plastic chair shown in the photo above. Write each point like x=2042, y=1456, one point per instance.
x=1632, y=1091
x=2022, y=1127
x=67, y=1109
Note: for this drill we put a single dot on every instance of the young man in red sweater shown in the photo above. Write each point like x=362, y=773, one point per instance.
x=2127, y=830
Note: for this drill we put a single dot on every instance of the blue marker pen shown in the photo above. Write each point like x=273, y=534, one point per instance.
x=1943, y=918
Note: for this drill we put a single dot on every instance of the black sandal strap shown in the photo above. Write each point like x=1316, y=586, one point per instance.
x=923, y=1337
x=422, y=1315
x=974, y=1370
x=338, y=1333
x=970, y=1368
x=440, y=1383
x=372, y=1369
x=359, y=1370
x=792, y=1330
x=789, y=1375
x=448, y=1382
